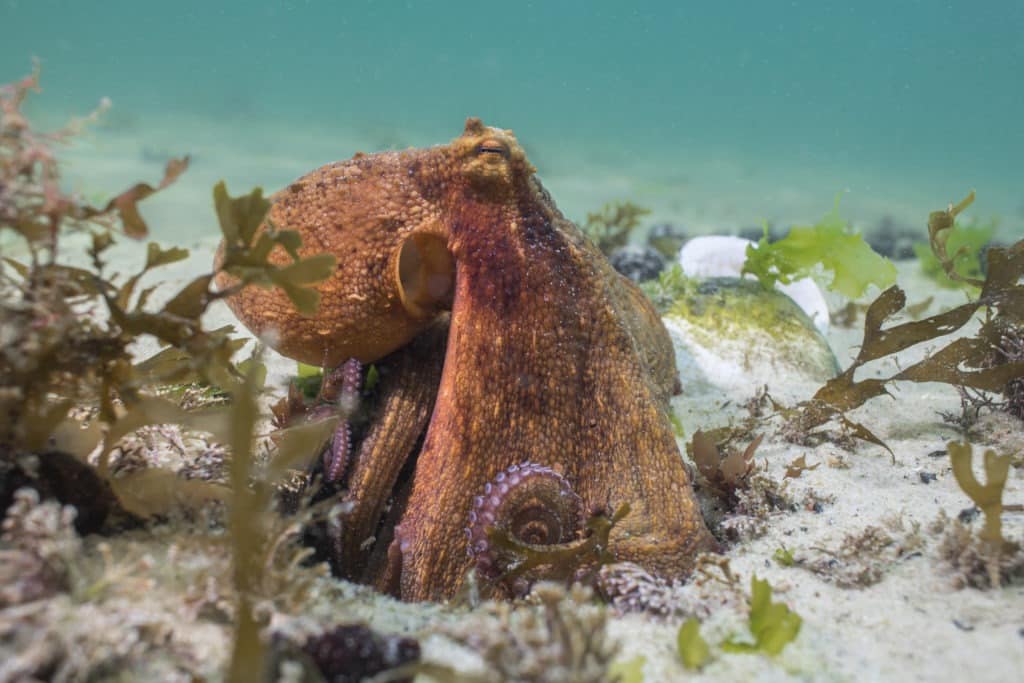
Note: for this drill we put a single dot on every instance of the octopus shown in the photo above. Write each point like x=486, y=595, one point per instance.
x=524, y=383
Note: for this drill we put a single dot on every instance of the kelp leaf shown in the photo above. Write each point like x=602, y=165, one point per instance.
x=798, y=466
x=126, y=203
x=941, y=226
x=863, y=433
x=71, y=436
x=737, y=465
x=952, y=364
x=239, y=217
x=705, y=454
x=191, y=301
x=20, y=268
x=41, y=420
x=157, y=256
x=693, y=649
x=987, y=496
x=305, y=300
x=307, y=271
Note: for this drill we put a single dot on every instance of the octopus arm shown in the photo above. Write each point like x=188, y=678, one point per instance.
x=407, y=400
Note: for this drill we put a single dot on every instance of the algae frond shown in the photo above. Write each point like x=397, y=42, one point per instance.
x=827, y=244
x=963, y=362
x=70, y=388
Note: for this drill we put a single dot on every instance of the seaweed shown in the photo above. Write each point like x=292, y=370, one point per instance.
x=69, y=332
x=773, y=625
x=723, y=474
x=988, y=496
x=953, y=255
x=610, y=227
x=828, y=244
x=693, y=649
x=970, y=362
x=578, y=560
x=670, y=286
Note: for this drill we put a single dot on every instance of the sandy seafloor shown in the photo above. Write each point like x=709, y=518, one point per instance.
x=913, y=624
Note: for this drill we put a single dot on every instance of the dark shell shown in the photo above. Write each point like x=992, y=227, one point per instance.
x=639, y=264
x=533, y=504
x=352, y=652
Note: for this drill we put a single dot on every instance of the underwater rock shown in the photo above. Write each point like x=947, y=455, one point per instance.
x=893, y=241
x=724, y=255
x=637, y=263
x=667, y=239
x=734, y=335
x=756, y=232
x=349, y=653
x=56, y=475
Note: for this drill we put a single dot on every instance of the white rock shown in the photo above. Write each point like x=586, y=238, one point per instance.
x=724, y=255
x=733, y=336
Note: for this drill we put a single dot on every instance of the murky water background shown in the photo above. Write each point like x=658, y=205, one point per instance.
x=716, y=115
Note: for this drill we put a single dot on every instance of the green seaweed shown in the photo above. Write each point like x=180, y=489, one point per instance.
x=671, y=286
x=692, y=648
x=827, y=244
x=784, y=557
x=773, y=625
x=627, y=670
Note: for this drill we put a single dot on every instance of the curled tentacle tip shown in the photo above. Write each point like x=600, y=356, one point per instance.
x=531, y=504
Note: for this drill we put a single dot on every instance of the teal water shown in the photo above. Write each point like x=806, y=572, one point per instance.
x=713, y=113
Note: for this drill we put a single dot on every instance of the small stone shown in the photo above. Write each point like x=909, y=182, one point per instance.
x=352, y=652
x=894, y=241
x=721, y=256
x=968, y=515
x=667, y=239
x=926, y=477
x=637, y=263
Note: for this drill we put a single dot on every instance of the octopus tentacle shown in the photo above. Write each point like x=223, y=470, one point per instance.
x=341, y=387
x=407, y=395
x=528, y=504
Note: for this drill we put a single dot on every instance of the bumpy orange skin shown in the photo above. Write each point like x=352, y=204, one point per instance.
x=552, y=357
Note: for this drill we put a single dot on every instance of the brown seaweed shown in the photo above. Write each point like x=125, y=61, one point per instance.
x=963, y=362
x=69, y=384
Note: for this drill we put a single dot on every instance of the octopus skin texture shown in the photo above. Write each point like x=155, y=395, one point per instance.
x=506, y=337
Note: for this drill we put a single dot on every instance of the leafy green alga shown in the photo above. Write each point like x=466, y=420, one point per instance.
x=693, y=649
x=853, y=264
x=772, y=624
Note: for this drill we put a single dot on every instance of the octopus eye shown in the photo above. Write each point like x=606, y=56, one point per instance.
x=493, y=146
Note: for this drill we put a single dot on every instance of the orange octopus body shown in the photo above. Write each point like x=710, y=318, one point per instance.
x=551, y=356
